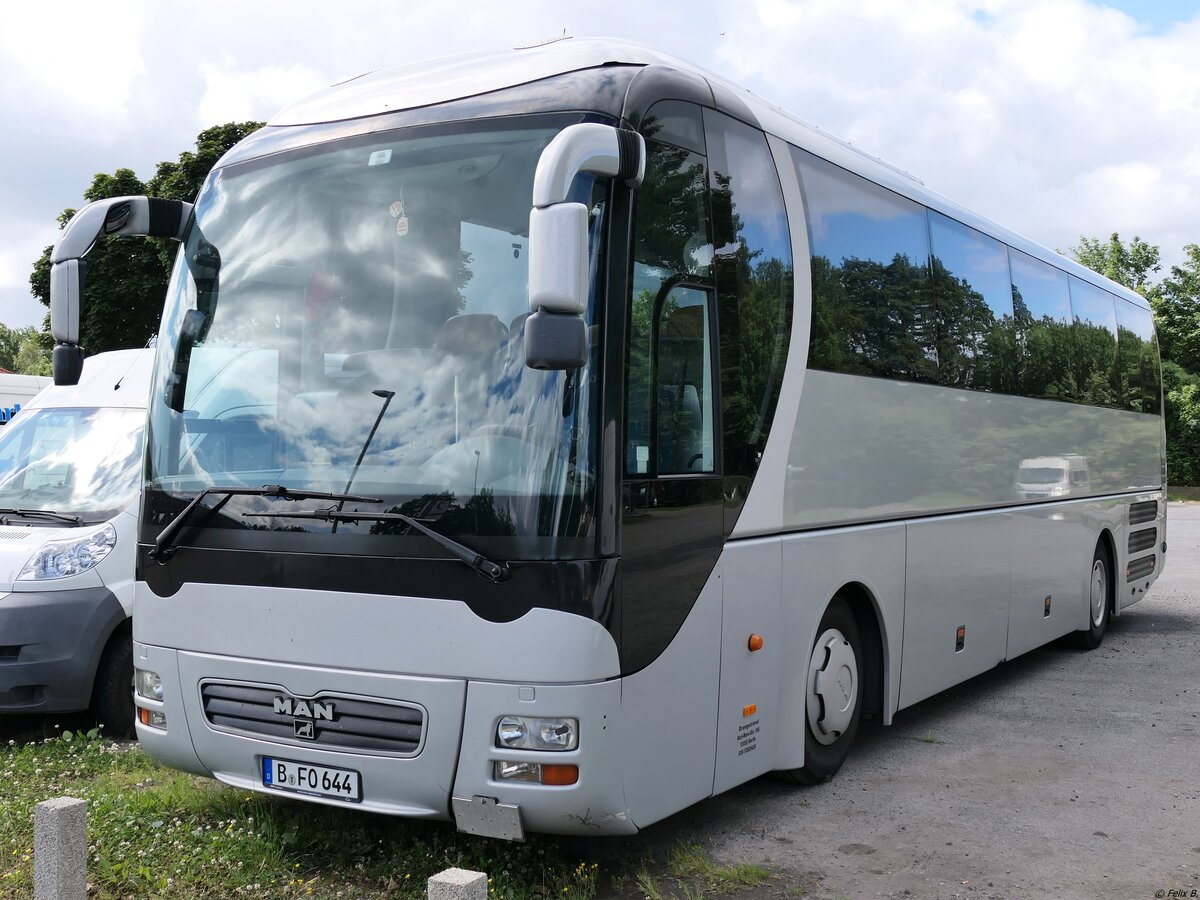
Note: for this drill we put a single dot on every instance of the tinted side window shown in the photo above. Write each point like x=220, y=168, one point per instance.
x=671, y=245
x=975, y=332
x=870, y=269
x=1138, y=370
x=1095, y=363
x=753, y=267
x=1042, y=307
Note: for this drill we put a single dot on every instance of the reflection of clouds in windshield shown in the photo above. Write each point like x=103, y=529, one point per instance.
x=327, y=296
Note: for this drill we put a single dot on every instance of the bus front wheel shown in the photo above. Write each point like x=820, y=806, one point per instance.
x=833, y=698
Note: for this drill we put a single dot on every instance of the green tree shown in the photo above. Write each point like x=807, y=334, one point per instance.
x=1131, y=265
x=1176, y=304
x=33, y=355
x=126, y=277
x=21, y=351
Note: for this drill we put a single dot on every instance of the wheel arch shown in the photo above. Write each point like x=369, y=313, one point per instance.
x=877, y=671
x=1106, y=540
x=869, y=618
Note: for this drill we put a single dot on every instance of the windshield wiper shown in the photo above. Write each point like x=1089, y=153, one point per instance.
x=492, y=571
x=38, y=514
x=164, y=543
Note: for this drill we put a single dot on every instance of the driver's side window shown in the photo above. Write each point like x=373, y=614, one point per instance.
x=669, y=404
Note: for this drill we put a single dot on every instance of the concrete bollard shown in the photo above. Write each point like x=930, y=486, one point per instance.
x=458, y=884
x=60, y=849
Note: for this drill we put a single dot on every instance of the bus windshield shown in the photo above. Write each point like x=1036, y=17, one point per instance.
x=78, y=462
x=349, y=317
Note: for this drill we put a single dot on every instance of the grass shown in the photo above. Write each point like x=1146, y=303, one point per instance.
x=157, y=833
x=691, y=874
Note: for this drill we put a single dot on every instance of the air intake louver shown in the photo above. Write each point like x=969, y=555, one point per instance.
x=1146, y=511
x=1142, y=540
x=356, y=724
x=1140, y=568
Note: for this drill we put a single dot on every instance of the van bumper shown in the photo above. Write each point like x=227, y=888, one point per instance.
x=50, y=645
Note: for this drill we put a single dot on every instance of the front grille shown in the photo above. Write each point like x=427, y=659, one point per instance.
x=1146, y=511
x=357, y=724
x=1139, y=568
x=1142, y=540
x=11, y=651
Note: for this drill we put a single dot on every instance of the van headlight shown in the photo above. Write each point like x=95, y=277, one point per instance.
x=62, y=559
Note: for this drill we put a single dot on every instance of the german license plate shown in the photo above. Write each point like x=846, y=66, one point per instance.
x=316, y=781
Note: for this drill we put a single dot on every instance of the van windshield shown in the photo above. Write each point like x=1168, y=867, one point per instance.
x=82, y=462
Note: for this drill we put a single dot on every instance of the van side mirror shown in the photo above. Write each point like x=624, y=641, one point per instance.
x=146, y=216
x=556, y=335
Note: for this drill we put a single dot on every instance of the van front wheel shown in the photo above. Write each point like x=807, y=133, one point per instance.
x=112, y=696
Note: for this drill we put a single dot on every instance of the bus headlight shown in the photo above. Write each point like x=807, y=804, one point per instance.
x=521, y=733
x=61, y=559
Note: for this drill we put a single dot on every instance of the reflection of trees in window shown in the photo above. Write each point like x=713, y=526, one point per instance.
x=671, y=242
x=1042, y=308
x=1139, y=378
x=480, y=515
x=974, y=339
x=866, y=319
x=1095, y=362
x=754, y=281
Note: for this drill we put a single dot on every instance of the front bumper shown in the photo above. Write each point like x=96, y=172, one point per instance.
x=456, y=756
x=50, y=645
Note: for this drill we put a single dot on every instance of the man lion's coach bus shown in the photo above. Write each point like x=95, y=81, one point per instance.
x=549, y=440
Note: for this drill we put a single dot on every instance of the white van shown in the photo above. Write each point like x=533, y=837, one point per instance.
x=1053, y=476
x=70, y=470
x=17, y=390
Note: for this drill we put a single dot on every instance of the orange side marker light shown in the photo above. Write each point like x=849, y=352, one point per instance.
x=559, y=774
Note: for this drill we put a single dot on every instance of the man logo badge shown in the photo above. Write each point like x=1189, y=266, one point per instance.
x=309, y=709
x=306, y=728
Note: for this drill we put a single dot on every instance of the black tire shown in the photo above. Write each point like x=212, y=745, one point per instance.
x=1100, y=589
x=824, y=753
x=112, y=694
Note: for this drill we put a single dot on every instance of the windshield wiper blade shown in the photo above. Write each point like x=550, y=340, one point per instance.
x=38, y=514
x=164, y=543
x=494, y=572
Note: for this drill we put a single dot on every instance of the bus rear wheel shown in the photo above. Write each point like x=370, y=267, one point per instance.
x=1100, y=596
x=833, y=699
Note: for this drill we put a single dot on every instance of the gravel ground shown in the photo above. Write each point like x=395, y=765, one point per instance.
x=1062, y=774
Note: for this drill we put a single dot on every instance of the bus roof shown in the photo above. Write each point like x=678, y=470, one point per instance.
x=432, y=82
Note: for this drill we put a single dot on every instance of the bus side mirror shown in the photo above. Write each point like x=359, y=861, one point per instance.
x=556, y=335
x=115, y=215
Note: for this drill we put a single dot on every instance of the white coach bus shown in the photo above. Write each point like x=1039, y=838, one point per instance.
x=549, y=440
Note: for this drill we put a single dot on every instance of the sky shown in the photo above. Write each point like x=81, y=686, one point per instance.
x=1056, y=118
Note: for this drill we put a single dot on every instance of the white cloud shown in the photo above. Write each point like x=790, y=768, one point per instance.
x=1054, y=117
x=234, y=94
x=78, y=60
